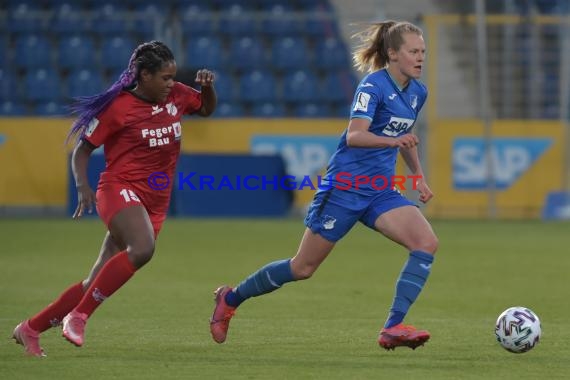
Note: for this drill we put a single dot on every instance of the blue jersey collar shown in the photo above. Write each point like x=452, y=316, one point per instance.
x=395, y=83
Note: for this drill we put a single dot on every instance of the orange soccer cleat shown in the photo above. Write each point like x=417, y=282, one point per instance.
x=29, y=338
x=74, y=327
x=402, y=336
x=223, y=313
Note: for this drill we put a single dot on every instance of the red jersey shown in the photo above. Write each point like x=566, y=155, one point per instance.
x=141, y=138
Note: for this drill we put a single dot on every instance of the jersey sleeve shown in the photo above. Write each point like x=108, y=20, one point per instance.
x=192, y=98
x=366, y=100
x=107, y=123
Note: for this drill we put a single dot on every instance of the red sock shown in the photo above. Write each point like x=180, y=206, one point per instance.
x=110, y=278
x=53, y=313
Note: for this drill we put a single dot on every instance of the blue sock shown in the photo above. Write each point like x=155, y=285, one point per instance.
x=267, y=279
x=409, y=285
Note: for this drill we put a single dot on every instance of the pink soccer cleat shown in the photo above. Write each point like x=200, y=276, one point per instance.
x=74, y=327
x=222, y=315
x=402, y=336
x=29, y=338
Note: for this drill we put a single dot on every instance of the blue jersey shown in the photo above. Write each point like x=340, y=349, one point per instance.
x=392, y=112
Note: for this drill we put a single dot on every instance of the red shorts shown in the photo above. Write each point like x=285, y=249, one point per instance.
x=112, y=197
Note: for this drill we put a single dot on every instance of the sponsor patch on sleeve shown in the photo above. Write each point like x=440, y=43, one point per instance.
x=361, y=103
x=91, y=126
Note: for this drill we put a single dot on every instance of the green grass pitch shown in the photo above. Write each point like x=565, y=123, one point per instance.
x=156, y=326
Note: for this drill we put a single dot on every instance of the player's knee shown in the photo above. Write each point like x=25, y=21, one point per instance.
x=429, y=244
x=140, y=253
x=303, y=272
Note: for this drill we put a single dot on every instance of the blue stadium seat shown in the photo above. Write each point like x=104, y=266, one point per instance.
x=12, y=4
x=113, y=76
x=554, y=7
x=315, y=5
x=111, y=18
x=51, y=109
x=229, y=110
x=321, y=20
x=247, y=53
x=321, y=26
x=331, y=53
x=143, y=3
x=69, y=19
x=338, y=87
x=300, y=86
x=268, y=110
x=32, y=51
x=9, y=89
x=179, y=4
x=198, y=20
x=225, y=88
x=225, y=5
x=314, y=110
x=9, y=108
x=84, y=83
x=257, y=86
x=149, y=19
x=5, y=56
x=289, y=53
x=281, y=21
x=205, y=52
x=76, y=52
x=51, y=4
x=550, y=111
x=26, y=17
x=267, y=4
x=116, y=52
x=42, y=85
x=523, y=6
x=237, y=20
x=550, y=90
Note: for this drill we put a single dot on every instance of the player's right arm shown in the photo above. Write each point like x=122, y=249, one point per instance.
x=109, y=122
x=367, y=100
x=79, y=161
x=359, y=136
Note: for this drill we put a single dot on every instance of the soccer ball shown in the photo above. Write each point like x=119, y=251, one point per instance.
x=518, y=329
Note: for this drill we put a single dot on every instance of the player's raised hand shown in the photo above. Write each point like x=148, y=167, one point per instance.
x=205, y=78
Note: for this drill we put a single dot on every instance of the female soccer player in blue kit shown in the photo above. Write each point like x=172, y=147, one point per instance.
x=384, y=109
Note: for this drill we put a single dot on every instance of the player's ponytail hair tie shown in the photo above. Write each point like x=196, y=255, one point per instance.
x=128, y=76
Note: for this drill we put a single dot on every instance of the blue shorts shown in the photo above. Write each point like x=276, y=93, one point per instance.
x=332, y=216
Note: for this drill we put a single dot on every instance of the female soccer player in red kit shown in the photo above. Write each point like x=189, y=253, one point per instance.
x=138, y=120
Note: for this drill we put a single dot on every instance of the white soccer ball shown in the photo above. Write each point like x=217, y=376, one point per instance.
x=518, y=329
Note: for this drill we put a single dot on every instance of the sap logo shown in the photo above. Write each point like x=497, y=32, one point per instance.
x=509, y=159
x=303, y=155
x=397, y=126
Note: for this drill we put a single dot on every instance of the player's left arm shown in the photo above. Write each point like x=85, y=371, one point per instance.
x=412, y=159
x=205, y=78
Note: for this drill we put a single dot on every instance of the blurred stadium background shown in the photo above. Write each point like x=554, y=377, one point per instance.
x=495, y=145
x=495, y=129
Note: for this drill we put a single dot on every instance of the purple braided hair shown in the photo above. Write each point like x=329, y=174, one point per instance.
x=87, y=107
x=149, y=55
